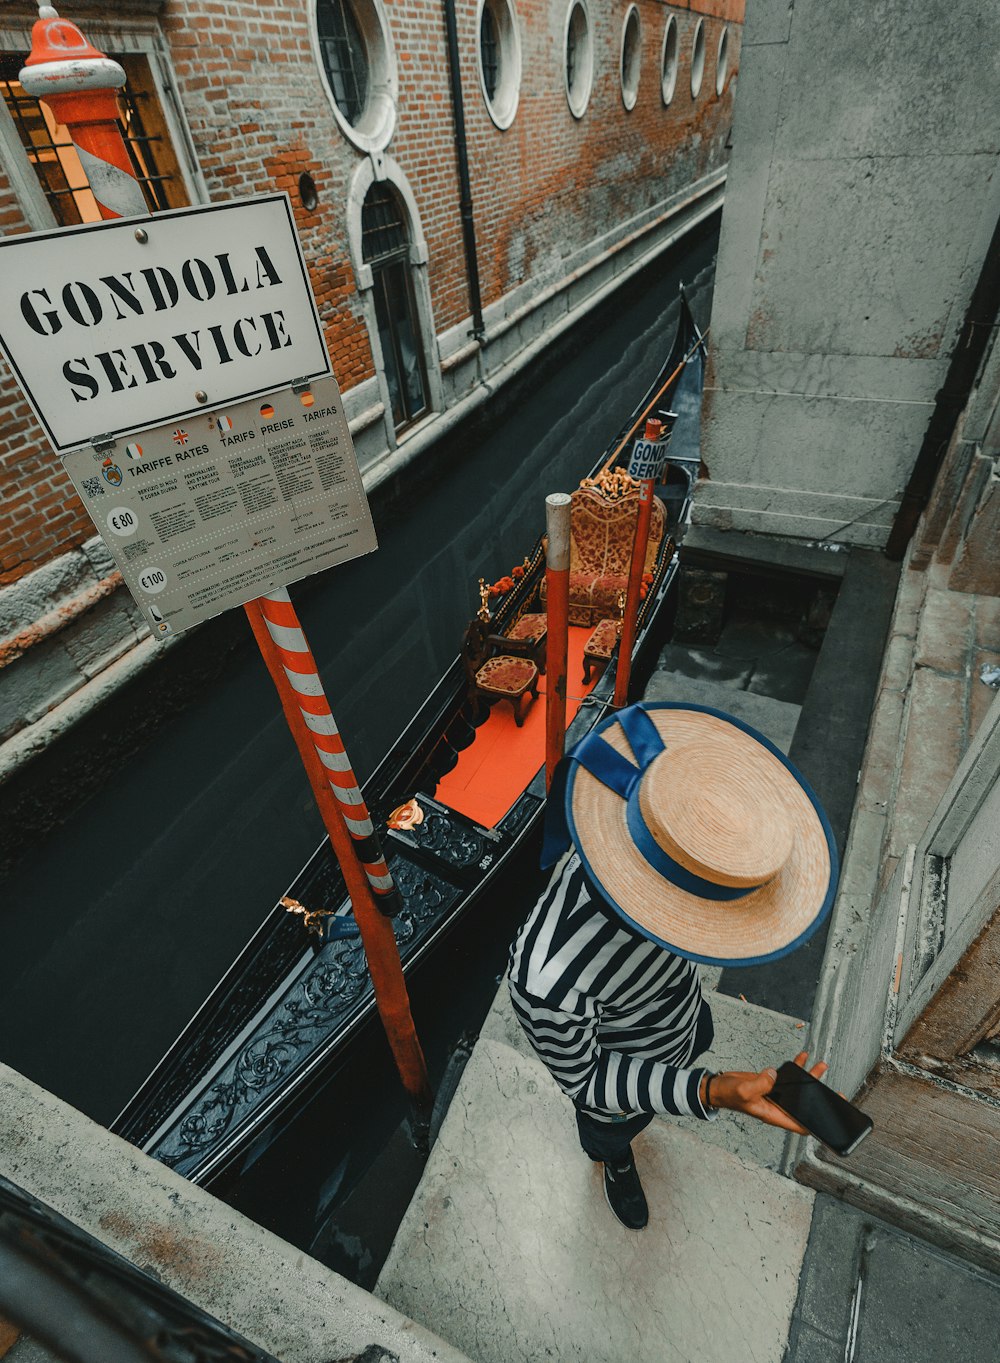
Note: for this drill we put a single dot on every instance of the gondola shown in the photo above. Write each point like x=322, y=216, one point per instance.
x=285, y=1013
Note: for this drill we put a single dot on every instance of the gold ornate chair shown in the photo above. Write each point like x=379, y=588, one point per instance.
x=602, y=531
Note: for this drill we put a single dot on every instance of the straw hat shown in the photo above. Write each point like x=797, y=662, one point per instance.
x=697, y=831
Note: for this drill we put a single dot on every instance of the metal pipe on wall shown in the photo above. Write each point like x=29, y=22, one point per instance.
x=465, y=186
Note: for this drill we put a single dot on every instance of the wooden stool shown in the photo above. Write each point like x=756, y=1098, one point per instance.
x=600, y=646
x=497, y=676
x=508, y=678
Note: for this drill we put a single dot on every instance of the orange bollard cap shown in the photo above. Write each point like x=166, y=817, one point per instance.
x=54, y=39
x=654, y=428
x=63, y=62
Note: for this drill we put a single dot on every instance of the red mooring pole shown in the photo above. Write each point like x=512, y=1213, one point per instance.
x=557, y=525
x=80, y=84
x=654, y=430
x=326, y=764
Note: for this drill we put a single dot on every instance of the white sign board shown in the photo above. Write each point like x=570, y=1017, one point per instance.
x=204, y=514
x=647, y=459
x=122, y=325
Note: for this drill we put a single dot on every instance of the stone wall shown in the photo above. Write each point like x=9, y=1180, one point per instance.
x=862, y=197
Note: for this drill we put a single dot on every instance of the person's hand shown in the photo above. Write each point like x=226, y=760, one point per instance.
x=744, y=1092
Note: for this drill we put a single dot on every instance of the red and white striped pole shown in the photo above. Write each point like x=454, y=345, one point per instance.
x=301, y=675
x=80, y=84
x=305, y=707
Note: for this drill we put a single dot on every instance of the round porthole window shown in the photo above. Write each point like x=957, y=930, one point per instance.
x=669, y=60
x=698, y=59
x=499, y=60
x=356, y=54
x=579, y=58
x=722, y=62
x=630, y=59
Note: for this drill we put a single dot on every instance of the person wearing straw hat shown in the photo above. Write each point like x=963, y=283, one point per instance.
x=679, y=835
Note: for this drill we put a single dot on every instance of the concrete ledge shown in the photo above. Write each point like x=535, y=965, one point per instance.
x=738, y=549
x=258, y=1285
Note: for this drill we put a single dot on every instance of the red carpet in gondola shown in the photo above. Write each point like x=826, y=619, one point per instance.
x=493, y=772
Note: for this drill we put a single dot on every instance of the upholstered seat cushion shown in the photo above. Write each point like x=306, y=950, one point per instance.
x=529, y=628
x=506, y=675
x=602, y=641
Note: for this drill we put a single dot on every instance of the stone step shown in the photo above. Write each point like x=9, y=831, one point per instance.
x=776, y=719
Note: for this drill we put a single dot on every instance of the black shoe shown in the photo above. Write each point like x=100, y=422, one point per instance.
x=625, y=1196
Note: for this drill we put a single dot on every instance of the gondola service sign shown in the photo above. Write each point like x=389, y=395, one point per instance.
x=121, y=325
x=177, y=364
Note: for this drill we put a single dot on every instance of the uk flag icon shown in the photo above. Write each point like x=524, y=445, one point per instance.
x=181, y=436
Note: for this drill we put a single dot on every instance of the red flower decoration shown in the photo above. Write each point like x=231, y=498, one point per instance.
x=517, y=573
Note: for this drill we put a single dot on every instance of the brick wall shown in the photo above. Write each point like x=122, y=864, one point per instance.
x=258, y=115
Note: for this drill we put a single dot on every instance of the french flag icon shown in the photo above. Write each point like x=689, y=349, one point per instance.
x=225, y=423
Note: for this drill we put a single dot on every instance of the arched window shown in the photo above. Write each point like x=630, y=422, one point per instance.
x=669, y=61
x=579, y=57
x=345, y=57
x=385, y=247
x=355, y=49
x=722, y=62
x=698, y=59
x=499, y=59
x=630, y=58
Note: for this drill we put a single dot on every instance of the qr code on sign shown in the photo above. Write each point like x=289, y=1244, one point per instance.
x=93, y=487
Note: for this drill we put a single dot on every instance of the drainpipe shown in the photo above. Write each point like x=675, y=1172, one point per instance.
x=977, y=329
x=465, y=188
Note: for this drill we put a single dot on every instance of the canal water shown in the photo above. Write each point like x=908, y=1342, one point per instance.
x=120, y=922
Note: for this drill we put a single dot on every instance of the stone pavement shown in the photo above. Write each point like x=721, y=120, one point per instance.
x=509, y=1251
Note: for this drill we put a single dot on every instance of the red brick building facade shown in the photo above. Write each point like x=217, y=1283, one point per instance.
x=576, y=175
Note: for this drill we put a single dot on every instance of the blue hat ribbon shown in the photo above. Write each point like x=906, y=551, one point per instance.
x=615, y=771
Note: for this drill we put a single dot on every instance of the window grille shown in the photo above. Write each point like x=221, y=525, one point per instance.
x=385, y=247
x=50, y=149
x=383, y=229
x=345, y=56
x=489, y=50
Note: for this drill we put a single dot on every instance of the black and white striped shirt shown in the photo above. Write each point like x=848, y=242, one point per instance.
x=611, y=1015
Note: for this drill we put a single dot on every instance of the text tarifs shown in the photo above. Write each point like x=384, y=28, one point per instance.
x=155, y=289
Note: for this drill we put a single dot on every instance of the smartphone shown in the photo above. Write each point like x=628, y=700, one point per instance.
x=821, y=1110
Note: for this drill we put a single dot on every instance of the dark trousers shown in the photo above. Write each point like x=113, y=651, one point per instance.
x=610, y=1141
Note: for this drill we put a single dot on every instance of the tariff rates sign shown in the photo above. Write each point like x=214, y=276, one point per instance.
x=123, y=325
x=204, y=514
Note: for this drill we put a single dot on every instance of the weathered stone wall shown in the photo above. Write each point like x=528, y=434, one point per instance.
x=861, y=198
